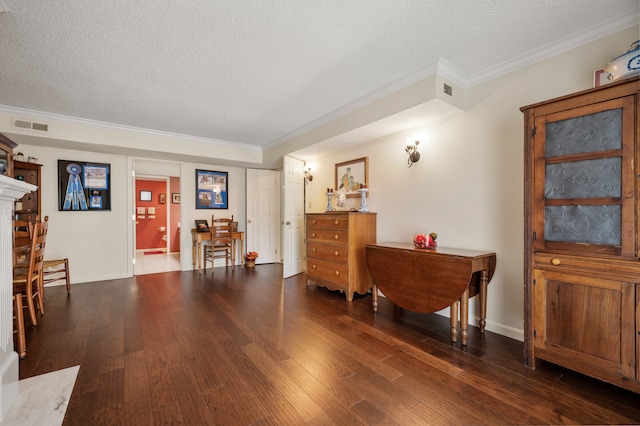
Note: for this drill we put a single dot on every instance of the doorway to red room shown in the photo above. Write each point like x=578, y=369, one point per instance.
x=157, y=224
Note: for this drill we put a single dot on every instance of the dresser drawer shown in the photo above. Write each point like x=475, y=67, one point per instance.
x=328, y=221
x=323, y=270
x=329, y=235
x=333, y=252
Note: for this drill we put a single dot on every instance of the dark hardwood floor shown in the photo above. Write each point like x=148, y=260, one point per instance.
x=246, y=347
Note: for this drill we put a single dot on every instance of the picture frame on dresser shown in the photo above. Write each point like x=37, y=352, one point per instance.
x=350, y=175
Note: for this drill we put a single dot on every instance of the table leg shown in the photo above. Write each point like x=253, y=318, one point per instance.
x=199, y=258
x=464, y=316
x=233, y=253
x=374, y=298
x=242, y=250
x=193, y=253
x=453, y=320
x=483, y=300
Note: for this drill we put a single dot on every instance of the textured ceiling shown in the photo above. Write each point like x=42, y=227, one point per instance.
x=256, y=72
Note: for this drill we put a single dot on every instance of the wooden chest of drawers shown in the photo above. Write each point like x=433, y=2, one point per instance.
x=336, y=250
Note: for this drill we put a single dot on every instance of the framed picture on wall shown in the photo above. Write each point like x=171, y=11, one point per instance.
x=202, y=225
x=83, y=186
x=145, y=195
x=212, y=189
x=351, y=174
x=175, y=198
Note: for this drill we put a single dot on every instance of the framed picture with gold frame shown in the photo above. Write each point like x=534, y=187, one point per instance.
x=352, y=175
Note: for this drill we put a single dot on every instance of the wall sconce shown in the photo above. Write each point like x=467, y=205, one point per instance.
x=414, y=155
x=308, y=177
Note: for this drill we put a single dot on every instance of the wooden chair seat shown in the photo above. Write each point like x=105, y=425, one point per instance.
x=56, y=270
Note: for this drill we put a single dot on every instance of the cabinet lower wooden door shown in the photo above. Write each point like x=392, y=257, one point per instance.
x=586, y=323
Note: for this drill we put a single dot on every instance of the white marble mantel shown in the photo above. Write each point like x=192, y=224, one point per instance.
x=10, y=190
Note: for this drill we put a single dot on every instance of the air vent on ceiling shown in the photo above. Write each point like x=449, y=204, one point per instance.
x=28, y=125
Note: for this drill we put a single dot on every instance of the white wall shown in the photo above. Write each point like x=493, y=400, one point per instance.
x=468, y=185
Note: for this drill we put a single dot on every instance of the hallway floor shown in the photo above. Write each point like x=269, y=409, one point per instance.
x=156, y=263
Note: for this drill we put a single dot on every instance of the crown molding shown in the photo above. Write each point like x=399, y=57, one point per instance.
x=557, y=47
x=44, y=116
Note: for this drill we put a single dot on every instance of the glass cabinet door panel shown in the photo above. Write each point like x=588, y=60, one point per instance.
x=593, y=224
x=601, y=178
x=601, y=131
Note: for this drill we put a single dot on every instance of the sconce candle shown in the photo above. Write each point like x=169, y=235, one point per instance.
x=329, y=197
x=363, y=200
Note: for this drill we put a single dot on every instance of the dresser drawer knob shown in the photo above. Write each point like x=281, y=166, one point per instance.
x=313, y=221
x=337, y=237
x=337, y=273
x=314, y=267
x=315, y=249
x=313, y=234
x=337, y=222
x=555, y=262
x=337, y=253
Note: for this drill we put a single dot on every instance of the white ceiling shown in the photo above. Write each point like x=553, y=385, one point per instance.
x=262, y=71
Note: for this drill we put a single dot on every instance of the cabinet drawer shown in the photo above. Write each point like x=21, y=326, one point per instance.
x=333, y=235
x=330, y=221
x=623, y=269
x=333, y=252
x=333, y=272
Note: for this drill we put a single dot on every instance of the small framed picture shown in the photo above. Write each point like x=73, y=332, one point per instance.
x=202, y=225
x=163, y=198
x=145, y=195
x=600, y=78
x=175, y=198
x=96, y=200
x=352, y=175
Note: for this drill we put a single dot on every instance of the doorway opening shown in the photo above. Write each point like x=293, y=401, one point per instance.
x=157, y=224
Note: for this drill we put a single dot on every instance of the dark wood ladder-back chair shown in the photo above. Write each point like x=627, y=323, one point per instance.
x=28, y=285
x=221, y=241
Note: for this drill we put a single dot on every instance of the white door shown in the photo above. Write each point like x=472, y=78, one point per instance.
x=293, y=216
x=263, y=218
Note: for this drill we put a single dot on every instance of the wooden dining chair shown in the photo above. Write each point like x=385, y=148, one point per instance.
x=29, y=285
x=221, y=241
x=18, y=325
x=22, y=231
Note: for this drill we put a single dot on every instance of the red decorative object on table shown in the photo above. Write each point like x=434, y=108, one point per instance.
x=423, y=241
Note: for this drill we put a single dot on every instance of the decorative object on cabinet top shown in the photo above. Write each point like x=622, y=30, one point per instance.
x=625, y=65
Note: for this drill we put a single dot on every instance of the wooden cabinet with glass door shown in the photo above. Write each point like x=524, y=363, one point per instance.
x=582, y=270
x=29, y=206
x=6, y=155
